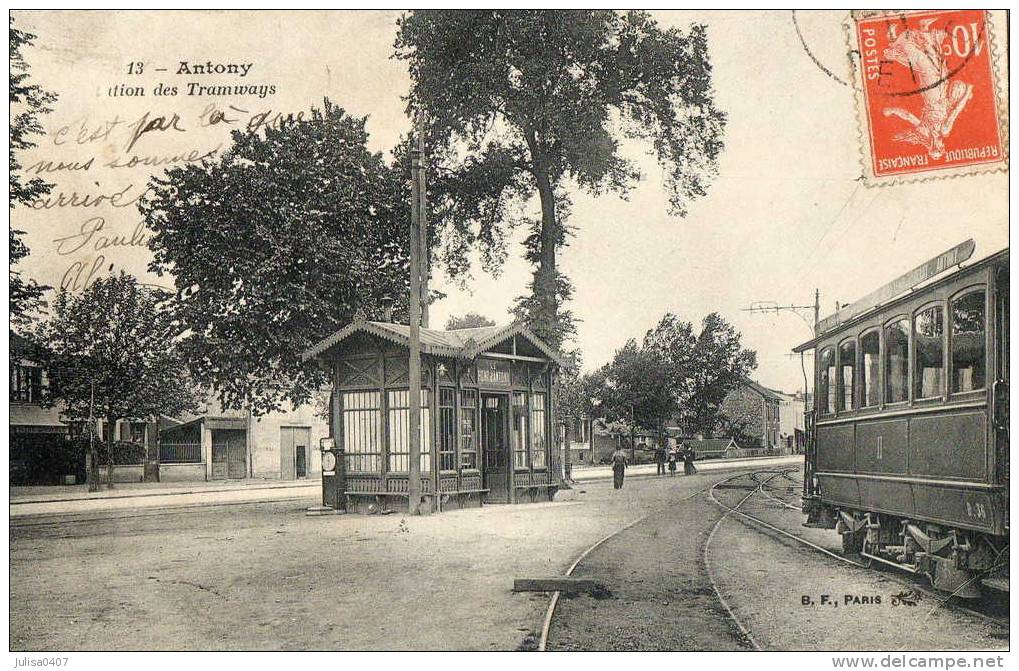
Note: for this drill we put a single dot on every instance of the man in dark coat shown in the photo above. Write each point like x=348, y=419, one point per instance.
x=660, y=459
x=618, y=468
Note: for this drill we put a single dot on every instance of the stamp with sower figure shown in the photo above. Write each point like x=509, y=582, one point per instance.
x=926, y=94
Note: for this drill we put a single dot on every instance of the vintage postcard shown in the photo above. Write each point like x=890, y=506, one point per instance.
x=510, y=330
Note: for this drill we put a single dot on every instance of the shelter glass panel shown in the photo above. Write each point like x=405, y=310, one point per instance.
x=870, y=349
x=447, y=429
x=468, y=428
x=825, y=383
x=929, y=343
x=399, y=431
x=897, y=361
x=362, y=431
x=519, y=415
x=969, y=342
x=847, y=374
x=538, y=437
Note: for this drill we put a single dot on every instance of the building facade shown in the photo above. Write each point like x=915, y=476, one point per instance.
x=227, y=444
x=756, y=409
x=39, y=441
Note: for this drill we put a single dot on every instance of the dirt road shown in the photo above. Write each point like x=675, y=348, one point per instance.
x=266, y=577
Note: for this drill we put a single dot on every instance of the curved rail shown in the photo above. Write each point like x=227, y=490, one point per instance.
x=550, y=612
x=940, y=599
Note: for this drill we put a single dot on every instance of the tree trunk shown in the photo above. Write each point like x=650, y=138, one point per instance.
x=111, y=427
x=92, y=468
x=545, y=276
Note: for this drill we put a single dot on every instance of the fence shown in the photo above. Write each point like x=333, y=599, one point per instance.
x=180, y=453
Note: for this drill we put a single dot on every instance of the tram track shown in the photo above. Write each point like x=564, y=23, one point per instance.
x=760, y=484
x=752, y=521
x=556, y=596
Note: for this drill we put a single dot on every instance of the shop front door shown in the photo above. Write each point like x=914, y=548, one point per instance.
x=295, y=444
x=495, y=447
x=229, y=454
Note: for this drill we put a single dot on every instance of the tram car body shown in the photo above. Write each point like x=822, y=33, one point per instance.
x=907, y=451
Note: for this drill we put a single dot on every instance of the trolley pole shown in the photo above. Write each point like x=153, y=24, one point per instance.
x=414, y=367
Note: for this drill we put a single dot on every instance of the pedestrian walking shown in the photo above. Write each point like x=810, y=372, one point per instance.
x=618, y=468
x=688, y=458
x=660, y=458
x=673, y=458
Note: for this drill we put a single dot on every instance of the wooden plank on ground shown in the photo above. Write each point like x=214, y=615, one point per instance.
x=559, y=584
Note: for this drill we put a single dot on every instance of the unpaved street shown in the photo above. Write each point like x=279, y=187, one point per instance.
x=265, y=576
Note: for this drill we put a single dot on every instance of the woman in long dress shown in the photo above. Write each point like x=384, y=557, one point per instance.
x=688, y=459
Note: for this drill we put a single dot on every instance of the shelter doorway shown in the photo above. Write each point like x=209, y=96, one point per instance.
x=494, y=420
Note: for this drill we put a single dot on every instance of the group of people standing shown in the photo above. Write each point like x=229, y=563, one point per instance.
x=663, y=457
x=672, y=456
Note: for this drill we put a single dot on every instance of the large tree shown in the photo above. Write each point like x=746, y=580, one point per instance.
x=520, y=103
x=275, y=244
x=110, y=354
x=721, y=364
x=28, y=101
x=675, y=373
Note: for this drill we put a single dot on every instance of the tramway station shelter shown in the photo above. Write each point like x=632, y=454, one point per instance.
x=487, y=432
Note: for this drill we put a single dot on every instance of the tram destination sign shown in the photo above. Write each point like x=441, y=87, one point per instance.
x=918, y=275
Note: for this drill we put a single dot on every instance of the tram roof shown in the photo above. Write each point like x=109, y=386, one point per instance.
x=871, y=304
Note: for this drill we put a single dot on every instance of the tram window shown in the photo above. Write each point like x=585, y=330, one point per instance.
x=968, y=342
x=897, y=361
x=928, y=367
x=847, y=368
x=870, y=348
x=825, y=385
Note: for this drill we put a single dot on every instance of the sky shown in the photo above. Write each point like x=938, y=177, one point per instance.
x=786, y=215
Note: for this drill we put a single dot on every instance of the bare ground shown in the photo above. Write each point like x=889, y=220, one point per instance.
x=266, y=577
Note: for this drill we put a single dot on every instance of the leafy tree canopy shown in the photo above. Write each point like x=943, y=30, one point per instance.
x=468, y=321
x=675, y=374
x=520, y=103
x=110, y=350
x=275, y=244
x=28, y=101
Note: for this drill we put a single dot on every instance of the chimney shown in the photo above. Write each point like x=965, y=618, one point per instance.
x=387, y=308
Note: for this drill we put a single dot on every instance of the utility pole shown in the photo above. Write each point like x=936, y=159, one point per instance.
x=798, y=310
x=425, y=265
x=414, y=366
x=91, y=467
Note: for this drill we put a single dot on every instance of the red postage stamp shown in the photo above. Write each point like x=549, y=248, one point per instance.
x=927, y=94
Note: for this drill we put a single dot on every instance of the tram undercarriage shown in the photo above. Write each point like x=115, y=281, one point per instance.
x=956, y=561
